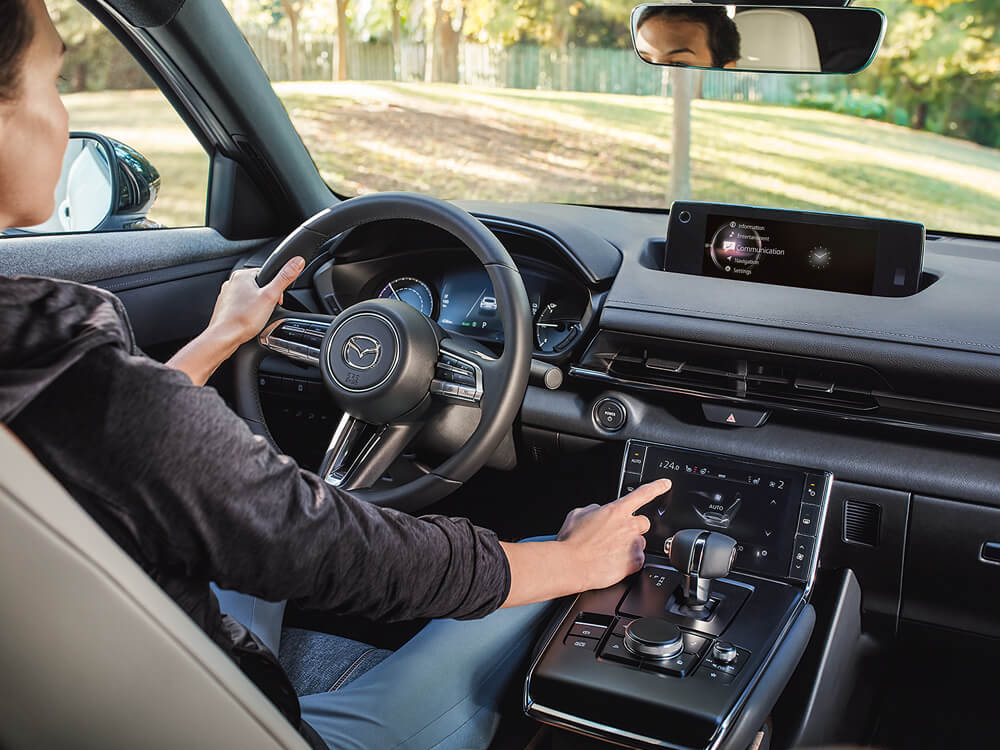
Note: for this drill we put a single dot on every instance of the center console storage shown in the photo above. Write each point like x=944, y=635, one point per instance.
x=692, y=651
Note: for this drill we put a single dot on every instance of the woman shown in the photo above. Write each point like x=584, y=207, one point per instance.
x=183, y=486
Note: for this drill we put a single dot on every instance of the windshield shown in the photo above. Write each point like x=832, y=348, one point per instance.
x=535, y=100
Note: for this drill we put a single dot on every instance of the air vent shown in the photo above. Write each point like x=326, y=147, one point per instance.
x=861, y=523
x=711, y=370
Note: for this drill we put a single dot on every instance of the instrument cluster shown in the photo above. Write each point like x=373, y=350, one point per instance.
x=457, y=293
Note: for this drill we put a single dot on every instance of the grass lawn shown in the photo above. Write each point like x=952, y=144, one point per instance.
x=463, y=142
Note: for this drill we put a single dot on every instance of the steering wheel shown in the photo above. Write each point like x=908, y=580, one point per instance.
x=390, y=368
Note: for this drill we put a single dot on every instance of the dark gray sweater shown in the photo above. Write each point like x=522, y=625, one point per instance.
x=184, y=487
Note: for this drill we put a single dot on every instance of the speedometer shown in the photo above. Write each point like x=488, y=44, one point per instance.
x=554, y=330
x=412, y=291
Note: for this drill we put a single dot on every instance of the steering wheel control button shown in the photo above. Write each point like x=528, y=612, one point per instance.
x=734, y=416
x=588, y=644
x=458, y=378
x=653, y=638
x=587, y=631
x=615, y=650
x=610, y=414
x=363, y=352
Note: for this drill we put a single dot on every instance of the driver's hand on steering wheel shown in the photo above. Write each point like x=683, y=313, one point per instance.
x=608, y=539
x=243, y=308
x=241, y=311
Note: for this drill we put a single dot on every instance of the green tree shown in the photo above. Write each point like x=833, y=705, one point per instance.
x=941, y=63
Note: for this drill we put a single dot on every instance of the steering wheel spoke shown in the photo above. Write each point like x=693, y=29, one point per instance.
x=360, y=453
x=297, y=338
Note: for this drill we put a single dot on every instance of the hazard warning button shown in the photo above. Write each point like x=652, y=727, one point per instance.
x=735, y=416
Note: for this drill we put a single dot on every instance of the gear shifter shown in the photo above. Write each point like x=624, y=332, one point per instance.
x=701, y=556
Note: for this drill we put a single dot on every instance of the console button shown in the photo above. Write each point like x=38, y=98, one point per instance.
x=735, y=416
x=630, y=482
x=609, y=414
x=679, y=665
x=694, y=644
x=615, y=650
x=710, y=674
x=814, y=488
x=635, y=459
x=594, y=618
x=802, y=552
x=808, y=519
x=587, y=631
x=620, y=627
x=588, y=644
x=729, y=667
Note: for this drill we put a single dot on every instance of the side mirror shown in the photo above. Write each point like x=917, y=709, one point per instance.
x=104, y=185
x=763, y=39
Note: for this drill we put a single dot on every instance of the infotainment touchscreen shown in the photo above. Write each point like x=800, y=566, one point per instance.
x=795, y=248
x=773, y=512
x=781, y=252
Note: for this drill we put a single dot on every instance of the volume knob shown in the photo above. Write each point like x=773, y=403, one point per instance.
x=653, y=638
x=724, y=652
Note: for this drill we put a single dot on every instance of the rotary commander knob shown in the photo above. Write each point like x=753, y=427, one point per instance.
x=701, y=556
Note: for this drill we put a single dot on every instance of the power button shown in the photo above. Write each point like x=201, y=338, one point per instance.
x=609, y=414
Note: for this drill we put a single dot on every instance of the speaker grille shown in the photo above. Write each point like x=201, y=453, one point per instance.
x=861, y=522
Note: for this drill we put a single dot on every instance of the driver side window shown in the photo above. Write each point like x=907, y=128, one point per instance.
x=132, y=163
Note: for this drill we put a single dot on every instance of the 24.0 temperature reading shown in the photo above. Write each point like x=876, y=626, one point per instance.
x=670, y=465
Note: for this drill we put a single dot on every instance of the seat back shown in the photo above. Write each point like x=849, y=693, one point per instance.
x=776, y=39
x=92, y=653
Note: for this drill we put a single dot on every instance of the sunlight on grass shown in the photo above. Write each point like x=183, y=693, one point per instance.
x=495, y=144
x=146, y=122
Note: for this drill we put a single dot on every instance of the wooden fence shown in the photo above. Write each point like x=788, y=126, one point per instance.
x=522, y=66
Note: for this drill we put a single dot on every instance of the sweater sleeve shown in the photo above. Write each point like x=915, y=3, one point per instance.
x=195, y=490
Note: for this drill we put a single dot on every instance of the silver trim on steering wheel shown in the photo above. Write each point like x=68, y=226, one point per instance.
x=286, y=345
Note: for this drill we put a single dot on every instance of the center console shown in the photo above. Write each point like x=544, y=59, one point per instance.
x=693, y=650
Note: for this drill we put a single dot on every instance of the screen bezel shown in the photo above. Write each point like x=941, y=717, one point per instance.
x=900, y=243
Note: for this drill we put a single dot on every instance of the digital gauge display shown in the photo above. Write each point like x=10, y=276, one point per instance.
x=469, y=306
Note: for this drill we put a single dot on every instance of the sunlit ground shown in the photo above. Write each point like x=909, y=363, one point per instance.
x=496, y=144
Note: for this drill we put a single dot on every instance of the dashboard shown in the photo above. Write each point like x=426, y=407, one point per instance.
x=895, y=396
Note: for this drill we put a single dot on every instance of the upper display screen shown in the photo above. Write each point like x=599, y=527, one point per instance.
x=837, y=259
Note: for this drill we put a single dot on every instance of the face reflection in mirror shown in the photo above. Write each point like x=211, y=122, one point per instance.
x=703, y=37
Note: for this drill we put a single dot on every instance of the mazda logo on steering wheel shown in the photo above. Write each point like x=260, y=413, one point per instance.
x=362, y=352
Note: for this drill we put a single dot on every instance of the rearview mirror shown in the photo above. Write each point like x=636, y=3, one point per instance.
x=104, y=185
x=765, y=39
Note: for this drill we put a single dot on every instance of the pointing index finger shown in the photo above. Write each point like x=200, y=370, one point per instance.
x=644, y=494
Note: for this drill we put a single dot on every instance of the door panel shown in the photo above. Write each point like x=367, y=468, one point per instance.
x=168, y=279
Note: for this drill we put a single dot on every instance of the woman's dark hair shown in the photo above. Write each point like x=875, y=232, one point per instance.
x=723, y=36
x=16, y=30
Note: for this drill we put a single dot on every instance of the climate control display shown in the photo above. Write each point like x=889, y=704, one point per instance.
x=761, y=506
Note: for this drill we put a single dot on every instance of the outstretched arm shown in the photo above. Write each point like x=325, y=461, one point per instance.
x=241, y=311
x=597, y=546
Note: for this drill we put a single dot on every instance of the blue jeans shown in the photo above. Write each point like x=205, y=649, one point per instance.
x=441, y=690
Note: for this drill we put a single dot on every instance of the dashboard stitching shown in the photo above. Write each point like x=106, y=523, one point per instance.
x=716, y=314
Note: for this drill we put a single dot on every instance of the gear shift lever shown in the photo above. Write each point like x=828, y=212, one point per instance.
x=701, y=556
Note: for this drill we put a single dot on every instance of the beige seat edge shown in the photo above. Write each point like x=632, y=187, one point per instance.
x=92, y=653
